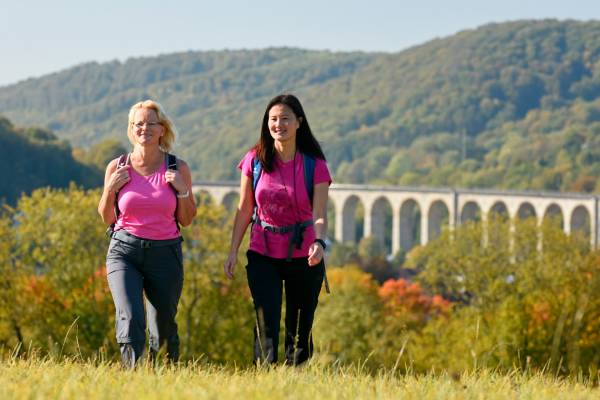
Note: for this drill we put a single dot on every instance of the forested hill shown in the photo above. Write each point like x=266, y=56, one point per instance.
x=33, y=158
x=513, y=105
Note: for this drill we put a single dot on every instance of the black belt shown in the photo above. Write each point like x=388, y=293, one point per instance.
x=126, y=237
x=297, y=233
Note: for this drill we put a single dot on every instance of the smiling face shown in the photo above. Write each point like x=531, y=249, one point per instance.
x=146, y=127
x=283, y=123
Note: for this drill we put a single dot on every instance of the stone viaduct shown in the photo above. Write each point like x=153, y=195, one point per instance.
x=417, y=215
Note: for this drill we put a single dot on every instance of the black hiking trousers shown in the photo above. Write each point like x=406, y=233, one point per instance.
x=152, y=268
x=266, y=278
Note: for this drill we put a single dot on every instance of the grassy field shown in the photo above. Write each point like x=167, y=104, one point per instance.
x=46, y=379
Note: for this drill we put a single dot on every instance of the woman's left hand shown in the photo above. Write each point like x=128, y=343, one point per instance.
x=174, y=178
x=315, y=254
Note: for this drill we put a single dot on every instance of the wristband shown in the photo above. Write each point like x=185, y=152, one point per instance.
x=321, y=242
x=183, y=195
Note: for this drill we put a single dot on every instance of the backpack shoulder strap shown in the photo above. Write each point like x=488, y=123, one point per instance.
x=171, y=161
x=309, y=175
x=124, y=159
x=256, y=170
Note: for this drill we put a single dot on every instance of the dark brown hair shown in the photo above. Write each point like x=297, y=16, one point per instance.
x=305, y=141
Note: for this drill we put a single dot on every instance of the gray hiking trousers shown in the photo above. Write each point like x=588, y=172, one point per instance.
x=136, y=267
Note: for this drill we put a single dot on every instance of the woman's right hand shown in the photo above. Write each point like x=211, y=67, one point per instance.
x=119, y=178
x=229, y=266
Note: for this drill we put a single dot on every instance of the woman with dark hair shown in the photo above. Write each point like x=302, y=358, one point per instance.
x=287, y=238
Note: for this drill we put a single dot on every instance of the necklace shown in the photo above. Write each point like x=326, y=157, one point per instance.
x=295, y=200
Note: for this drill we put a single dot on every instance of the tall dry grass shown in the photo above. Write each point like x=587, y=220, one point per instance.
x=36, y=378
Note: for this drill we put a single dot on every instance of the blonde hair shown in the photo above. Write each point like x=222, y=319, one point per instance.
x=167, y=140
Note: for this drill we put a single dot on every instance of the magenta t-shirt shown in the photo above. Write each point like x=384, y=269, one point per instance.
x=282, y=201
x=147, y=206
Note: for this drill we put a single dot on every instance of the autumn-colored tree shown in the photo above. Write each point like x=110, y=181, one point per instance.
x=532, y=303
x=346, y=321
x=215, y=315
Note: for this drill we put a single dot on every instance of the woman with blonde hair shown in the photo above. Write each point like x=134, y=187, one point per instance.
x=146, y=196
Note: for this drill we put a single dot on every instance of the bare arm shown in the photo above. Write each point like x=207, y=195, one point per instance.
x=320, y=196
x=243, y=216
x=181, y=179
x=114, y=180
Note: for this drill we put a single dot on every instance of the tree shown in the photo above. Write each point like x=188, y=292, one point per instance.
x=346, y=321
x=533, y=303
x=11, y=334
x=101, y=153
x=60, y=248
x=216, y=314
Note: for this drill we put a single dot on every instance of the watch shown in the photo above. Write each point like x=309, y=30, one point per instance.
x=321, y=242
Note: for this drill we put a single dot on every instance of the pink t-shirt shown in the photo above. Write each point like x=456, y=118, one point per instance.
x=283, y=201
x=147, y=206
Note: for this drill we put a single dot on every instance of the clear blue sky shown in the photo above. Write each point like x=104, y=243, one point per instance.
x=40, y=37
